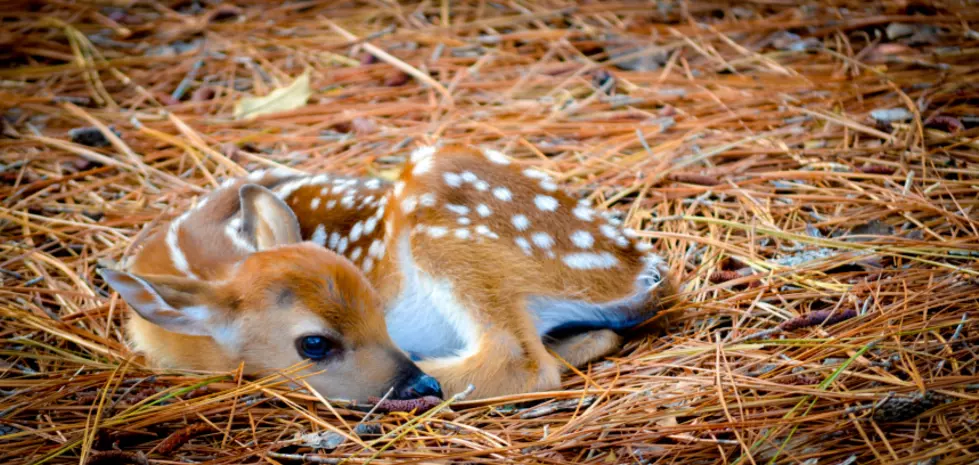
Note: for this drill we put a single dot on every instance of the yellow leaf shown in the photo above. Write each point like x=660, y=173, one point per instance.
x=281, y=99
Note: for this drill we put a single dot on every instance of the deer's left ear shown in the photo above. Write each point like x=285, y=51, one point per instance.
x=266, y=220
x=179, y=305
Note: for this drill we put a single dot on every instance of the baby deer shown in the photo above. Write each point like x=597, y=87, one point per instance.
x=481, y=269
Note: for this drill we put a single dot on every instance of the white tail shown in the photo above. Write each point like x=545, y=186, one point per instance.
x=480, y=266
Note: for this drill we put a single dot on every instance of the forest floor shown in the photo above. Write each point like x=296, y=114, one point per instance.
x=811, y=174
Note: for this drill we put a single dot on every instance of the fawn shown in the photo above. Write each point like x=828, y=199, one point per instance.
x=467, y=269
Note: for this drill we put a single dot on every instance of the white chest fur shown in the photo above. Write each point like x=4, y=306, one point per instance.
x=427, y=320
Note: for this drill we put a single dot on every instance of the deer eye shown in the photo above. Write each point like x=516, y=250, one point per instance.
x=316, y=347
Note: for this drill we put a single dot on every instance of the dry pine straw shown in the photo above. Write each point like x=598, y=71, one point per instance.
x=739, y=139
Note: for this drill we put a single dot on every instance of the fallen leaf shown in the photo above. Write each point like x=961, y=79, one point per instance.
x=282, y=99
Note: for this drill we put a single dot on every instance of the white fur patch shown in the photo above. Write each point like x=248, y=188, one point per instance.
x=233, y=231
x=582, y=239
x=427, y=199
x=548, y=186
x=356, y=231
x=452, y=179
x=368, y=265
x=319, y=236
x=463, y=220
x=370, y=224
x=423, y=166
x=461, y=233
x=173, y=244
x=535, y=174
x=376, y=249
x=520, y=222
x=483, y=210
x=342, y=246
x=496, y=156
x=469, y=176
x=457, y=209
x=481, y=185
x=372, y=183
x=583, y=213
x=502, y=193
x=399, y=187
x=315, y=203
x=484, y=230
x=334, y=240
x=426, y=319
x=546, y=203
x=524, y=245
x=542, y=240
x=437, y=231
x=608, y=231
x=408, y=205
x=355, y=254
x=590, y=261
x=347, y=201
x=422, y=153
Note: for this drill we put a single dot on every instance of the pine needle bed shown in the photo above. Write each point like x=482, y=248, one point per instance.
x=810, y=172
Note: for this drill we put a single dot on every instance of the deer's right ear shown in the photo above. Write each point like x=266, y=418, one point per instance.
x=180, y=305
x=266, y=221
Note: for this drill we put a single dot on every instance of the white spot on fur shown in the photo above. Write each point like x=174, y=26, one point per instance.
x=437, y=231
x=485, y=231
x=590, y=261
x=342, y=246
x=356, y=231
x=337, y=189
x=524, y=245
x=457, y=209
x=355, y=254
x=286, y=190
x=583, y=213
x=542, y=240
x=496, y=156
x=481, y=185
x=644, y=246
x=502, y=193
x=461, y=233
x=469, y=176
x=520, y=222
x=463, y=220
x=535, y=174
x=334, y=240
x=546, y=203
x=582, y=239
x=630, y=233
x=319, y=236
x=423, y=166
x=452, y=179
x=376, y=249
x=408, y=205
x=422, y=153
x=608, y=231
x=548, y=186
x=372, y=183
x=621, y=241
x=315, y=203
x=370, y=224
x=368, y=265
x=427, y=199
x=347, y=202
x=331, y=204
x=399, y=187
x=483, y=210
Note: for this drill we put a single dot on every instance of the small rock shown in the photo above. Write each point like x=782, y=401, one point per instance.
x=91, y=136
x=890, y=115
x=396, y=78
x=898, y=30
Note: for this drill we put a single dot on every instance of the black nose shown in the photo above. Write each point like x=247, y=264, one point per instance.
x=418, y=386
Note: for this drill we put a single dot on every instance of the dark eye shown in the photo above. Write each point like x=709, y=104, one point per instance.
x=316, y=347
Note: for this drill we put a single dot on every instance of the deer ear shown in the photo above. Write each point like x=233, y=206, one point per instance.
x=180, y=305
x=266, y=221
